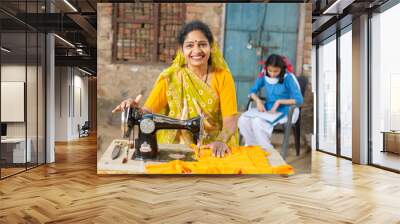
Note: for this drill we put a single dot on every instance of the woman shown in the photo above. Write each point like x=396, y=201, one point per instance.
x=197, y=82
x=281, y=91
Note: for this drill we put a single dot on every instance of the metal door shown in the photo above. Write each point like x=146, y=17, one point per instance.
x=254, y=31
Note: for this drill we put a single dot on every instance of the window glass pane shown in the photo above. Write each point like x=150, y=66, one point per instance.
x=385, y=84
x=327, y=97
x=346, y=93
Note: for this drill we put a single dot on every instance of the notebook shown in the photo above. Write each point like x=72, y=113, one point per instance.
x=271, y=118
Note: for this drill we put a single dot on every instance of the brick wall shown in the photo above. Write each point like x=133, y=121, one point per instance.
x=307, y=110
x=308, y=41
x=211, y=14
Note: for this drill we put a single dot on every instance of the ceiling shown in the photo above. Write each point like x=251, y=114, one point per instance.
x=74, y=22
x=329, y=15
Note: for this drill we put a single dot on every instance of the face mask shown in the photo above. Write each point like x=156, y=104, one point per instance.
x=271, y=81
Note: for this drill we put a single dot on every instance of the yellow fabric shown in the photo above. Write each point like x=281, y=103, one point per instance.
x=181, y=94
x=243, y=160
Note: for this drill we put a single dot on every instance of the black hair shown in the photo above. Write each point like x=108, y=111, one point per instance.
x=276, y=61
x=195, y=25
x=192, y=26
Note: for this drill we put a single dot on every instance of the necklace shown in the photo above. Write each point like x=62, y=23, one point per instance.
x=205, y=81
x=208, y=72
x=201, y=78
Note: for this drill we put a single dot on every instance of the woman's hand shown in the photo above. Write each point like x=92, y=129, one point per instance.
x=275, y=107
x=260, y=106
x=219, y=149
x=128, y=103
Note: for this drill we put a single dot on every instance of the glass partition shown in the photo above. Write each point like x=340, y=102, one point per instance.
x=22, y=77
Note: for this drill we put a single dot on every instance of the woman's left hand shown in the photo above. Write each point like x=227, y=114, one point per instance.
x=275, y=107
x=219, y=149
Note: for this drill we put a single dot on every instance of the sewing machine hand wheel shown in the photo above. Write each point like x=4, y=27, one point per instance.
x=129, y=118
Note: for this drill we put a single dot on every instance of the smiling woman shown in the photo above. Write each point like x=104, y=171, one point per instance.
x=198, y=82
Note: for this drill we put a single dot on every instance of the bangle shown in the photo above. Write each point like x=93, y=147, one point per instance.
x=218, y=139
x=224, y=136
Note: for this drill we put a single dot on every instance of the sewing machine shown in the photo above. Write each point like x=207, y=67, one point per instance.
x=146, y=125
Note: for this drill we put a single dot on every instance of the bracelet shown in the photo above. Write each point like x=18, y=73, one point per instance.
x=220, y=140
x=224, y=135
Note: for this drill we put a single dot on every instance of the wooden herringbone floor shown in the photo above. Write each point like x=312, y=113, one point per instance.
x=70, y=191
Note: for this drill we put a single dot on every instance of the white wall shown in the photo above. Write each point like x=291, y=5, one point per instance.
x=80, y=84
x=61, y=103
x=70, y=83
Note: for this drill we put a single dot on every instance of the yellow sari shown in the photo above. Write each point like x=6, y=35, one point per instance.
x=188, y=96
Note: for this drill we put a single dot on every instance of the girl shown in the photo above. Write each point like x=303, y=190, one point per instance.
x=281, y=91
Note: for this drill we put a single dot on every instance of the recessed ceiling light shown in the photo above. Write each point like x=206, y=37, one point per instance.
x=337, y=7
x=5, y=49
x=70, y=5
x=64, y=40
x=84, y=71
